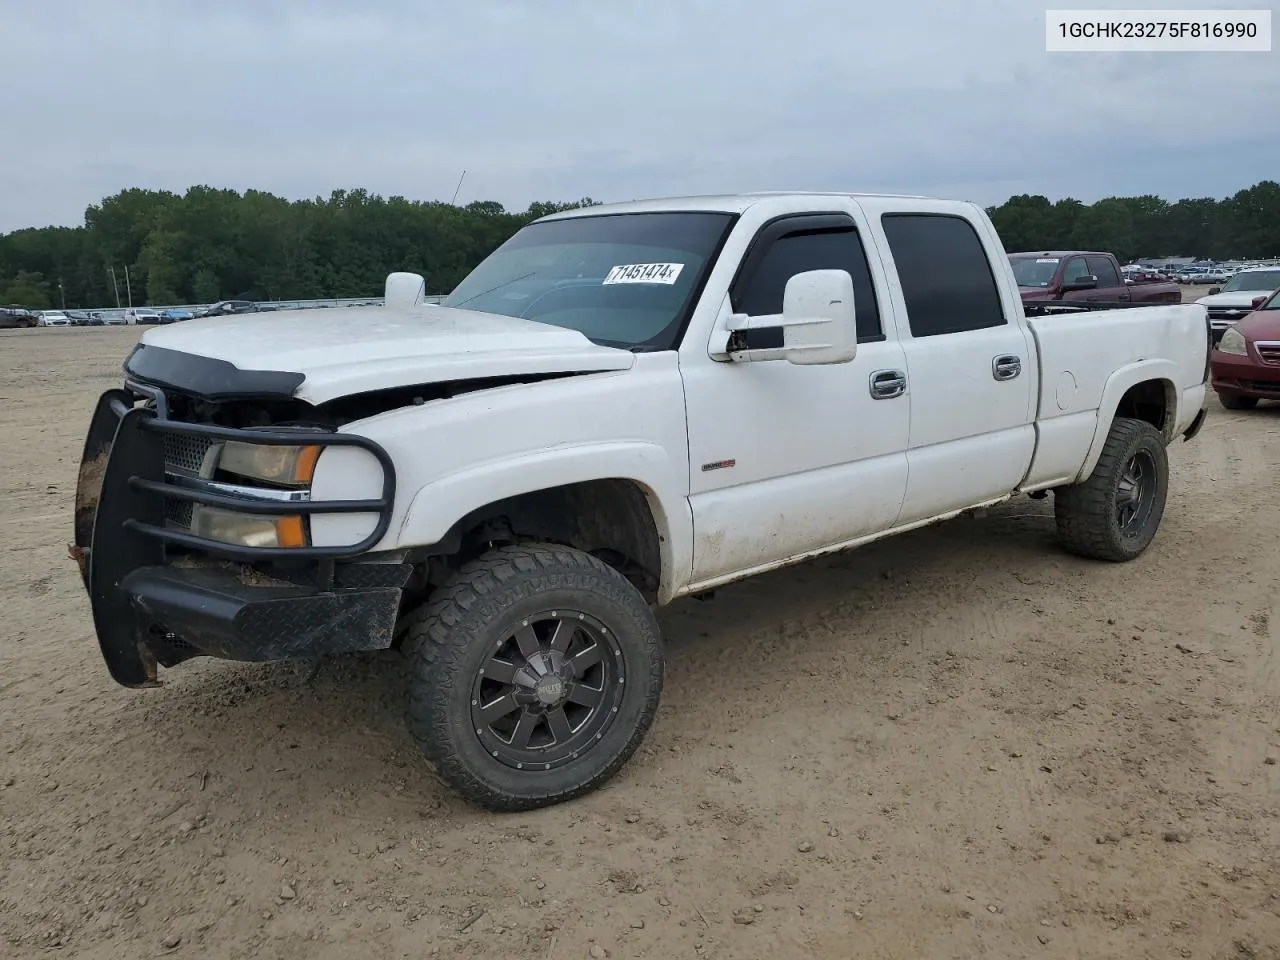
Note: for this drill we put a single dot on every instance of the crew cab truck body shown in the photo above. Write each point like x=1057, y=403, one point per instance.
x=1075, y=275
x=621, y=406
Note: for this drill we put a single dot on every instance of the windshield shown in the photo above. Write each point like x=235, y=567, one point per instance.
x=622, y=280
x=1034, y=271
x=1260, y=280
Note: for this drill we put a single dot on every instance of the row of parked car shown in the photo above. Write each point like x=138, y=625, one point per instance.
x=130, y=317
x=17, y=316
x=1195, y=274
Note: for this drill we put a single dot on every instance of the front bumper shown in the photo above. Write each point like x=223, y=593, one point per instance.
x=1244, y=376
x=161, y=595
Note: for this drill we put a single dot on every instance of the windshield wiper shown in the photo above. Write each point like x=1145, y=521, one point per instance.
x=504, y=283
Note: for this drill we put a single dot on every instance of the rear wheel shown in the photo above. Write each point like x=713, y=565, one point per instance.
x=535, y=675
x=1114, y=514
x=1237, y=401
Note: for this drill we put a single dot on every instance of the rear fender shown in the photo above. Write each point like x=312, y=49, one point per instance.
x=1113, y=392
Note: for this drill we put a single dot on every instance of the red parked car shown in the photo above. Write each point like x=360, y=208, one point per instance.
x=1245, y=365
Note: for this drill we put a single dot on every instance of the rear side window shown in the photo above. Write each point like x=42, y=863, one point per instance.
x=945, y=274
x=1105, y=271
x=759, y=293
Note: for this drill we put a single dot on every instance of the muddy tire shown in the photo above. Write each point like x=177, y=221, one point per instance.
x=1114, y=514
x=534, y=675
x=1236, y=401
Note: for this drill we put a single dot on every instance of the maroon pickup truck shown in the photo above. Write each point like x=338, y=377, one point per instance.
x=1084, y=275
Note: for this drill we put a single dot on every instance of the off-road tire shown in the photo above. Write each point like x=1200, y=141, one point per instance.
x=1086, y=512
x=449, y=643
x=1237, y=401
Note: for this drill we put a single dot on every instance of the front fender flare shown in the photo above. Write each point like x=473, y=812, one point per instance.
x=1114, y=390
x=441, y=503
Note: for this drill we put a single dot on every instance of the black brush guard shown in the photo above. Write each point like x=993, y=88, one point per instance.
x=151, y=607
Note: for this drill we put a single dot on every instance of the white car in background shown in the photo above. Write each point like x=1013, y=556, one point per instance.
x=54, y=318
x=1234, y=299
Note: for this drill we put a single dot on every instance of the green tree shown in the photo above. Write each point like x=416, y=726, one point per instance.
x=209, y=243
x=26, y=289
x=204, y=288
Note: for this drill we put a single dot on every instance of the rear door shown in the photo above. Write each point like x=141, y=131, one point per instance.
x=970, y=365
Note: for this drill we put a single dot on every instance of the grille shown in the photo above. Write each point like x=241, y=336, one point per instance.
x=178, y=513
x=184, y=453
x=1262, y=386
x=1268, y=352
x=1226, y=314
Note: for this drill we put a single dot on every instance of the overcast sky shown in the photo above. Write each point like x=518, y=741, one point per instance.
x=613, y=99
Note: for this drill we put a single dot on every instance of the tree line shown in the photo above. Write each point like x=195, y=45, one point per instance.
x=212, y=244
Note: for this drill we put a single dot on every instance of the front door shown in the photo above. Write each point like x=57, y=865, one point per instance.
x=1111, y=285
x=789, y=459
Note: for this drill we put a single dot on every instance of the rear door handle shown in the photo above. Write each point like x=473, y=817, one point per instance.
x=887, y=384
x=1006, y=367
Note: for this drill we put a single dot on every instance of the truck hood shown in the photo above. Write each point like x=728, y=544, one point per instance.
x=1261, y=325
x=1243, y=299
x=342, y=351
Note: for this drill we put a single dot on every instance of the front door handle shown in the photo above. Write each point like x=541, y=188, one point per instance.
x=1006, y=367
x=887, y=384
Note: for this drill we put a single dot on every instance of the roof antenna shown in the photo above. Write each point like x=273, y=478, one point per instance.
x=457, y=188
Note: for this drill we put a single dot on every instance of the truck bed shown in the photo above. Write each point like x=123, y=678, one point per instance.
x=1075, y=382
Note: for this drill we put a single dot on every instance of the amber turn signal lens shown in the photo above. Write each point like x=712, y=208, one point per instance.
x=290, y=532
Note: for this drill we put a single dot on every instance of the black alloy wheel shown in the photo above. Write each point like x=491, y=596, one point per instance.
x=1135, y=493
x=534, y=675
x=549, y=690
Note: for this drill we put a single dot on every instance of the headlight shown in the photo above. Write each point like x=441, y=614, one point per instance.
x=270, y=462
x=1233, y=342
x=245, y=529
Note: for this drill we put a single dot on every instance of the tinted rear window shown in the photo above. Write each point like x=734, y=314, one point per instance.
x=945, y=274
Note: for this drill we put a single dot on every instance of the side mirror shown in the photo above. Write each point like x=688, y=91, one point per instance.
x=818, y=323
x=1259, y=301
x=404, y=290
x=1081, y=283
x=1213, y=290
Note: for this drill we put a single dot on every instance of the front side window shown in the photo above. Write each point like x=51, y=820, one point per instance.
x=623, y=280
x=1105, y=271
x=760, y=294
x=945, y=275
x=1076, y=269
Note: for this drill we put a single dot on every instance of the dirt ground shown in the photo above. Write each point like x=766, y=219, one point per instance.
x=959, y=743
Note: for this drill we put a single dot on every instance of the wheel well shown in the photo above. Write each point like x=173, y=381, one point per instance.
x=610, y=519
x=1152, y=401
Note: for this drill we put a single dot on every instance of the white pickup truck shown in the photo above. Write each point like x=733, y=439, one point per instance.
x=623, y=405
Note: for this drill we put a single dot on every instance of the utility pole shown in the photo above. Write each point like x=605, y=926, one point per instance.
x=128, y=287
x=63, y=292
x=115, y=286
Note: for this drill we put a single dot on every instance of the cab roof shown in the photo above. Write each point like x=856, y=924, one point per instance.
x=723, y=203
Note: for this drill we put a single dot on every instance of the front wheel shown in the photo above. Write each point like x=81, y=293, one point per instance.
x=535, y=675
x=1236, y=401
x=1114, y=514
